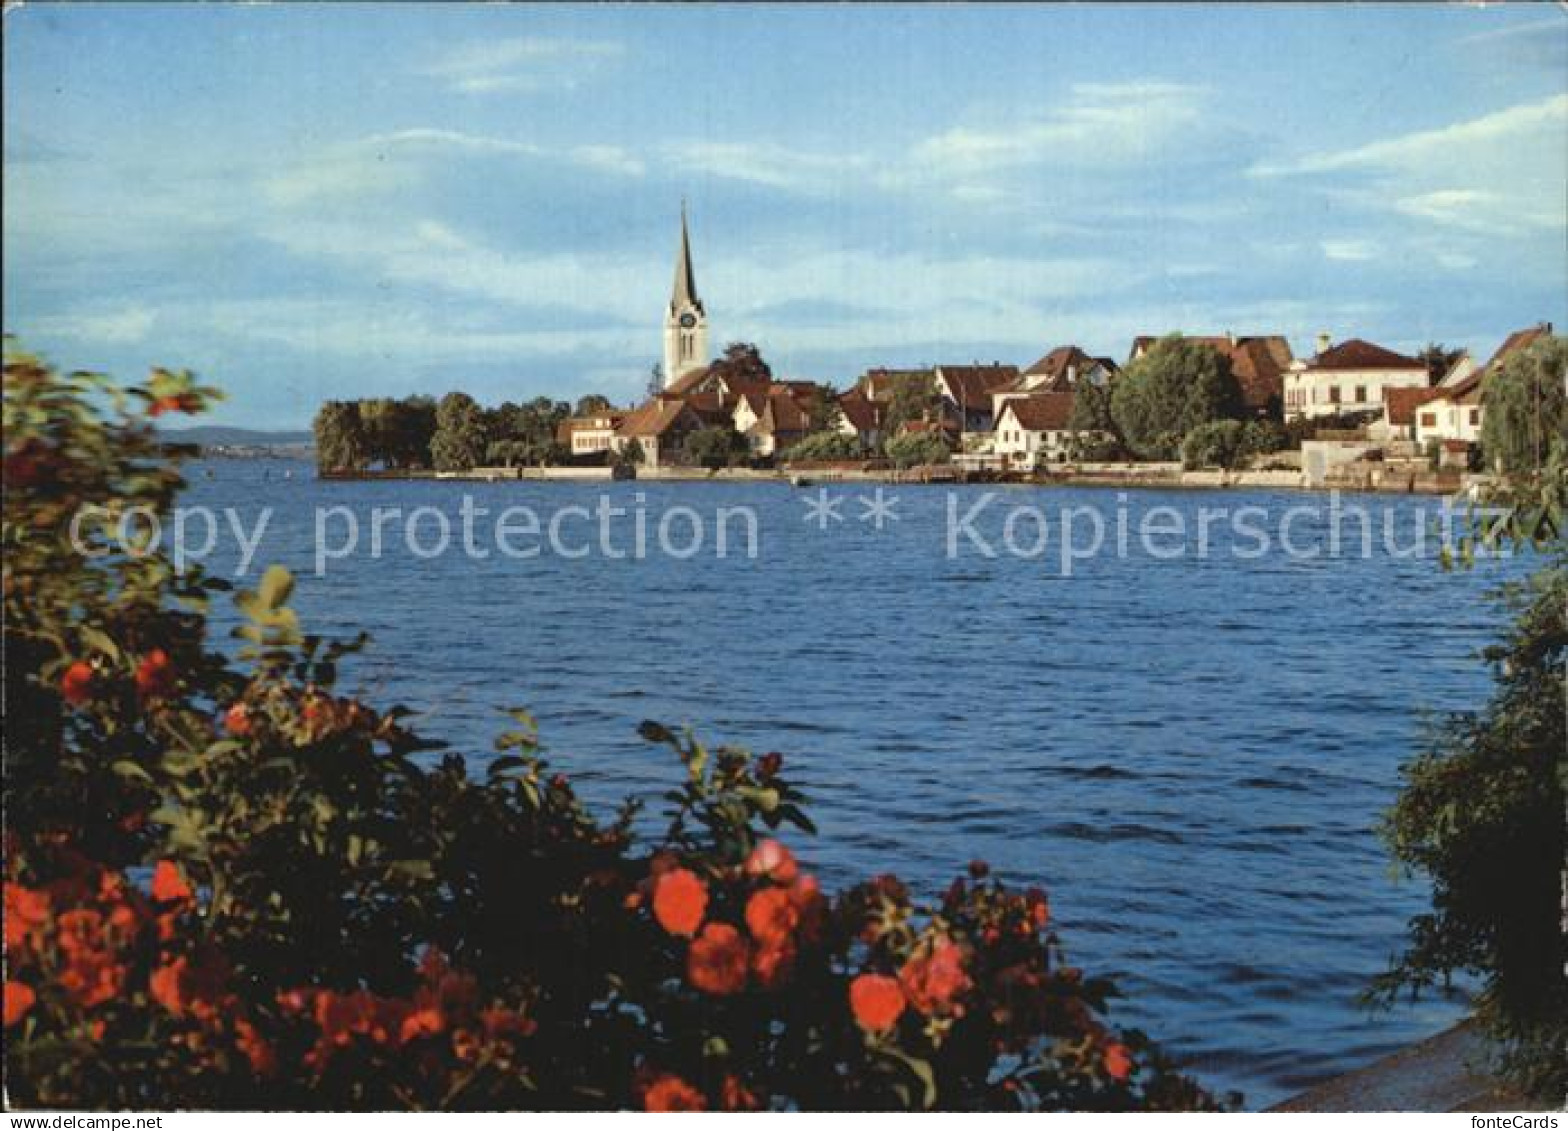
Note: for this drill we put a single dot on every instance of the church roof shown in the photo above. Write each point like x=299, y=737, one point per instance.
x=684, y=293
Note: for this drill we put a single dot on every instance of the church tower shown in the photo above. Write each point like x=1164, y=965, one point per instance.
x=685, y=322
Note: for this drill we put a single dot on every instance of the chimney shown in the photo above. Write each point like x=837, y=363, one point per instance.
x=1324, y=341
x=1230, y=336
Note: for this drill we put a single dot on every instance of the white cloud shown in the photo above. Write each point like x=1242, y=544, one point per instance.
x=1099, y=124
x=764, y=163
x=1502, y=173
x=526, y=63
x=115, y=327
x=1349, y=251
x=387, y=162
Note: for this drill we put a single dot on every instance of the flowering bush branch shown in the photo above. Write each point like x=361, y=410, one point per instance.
x=229, y=884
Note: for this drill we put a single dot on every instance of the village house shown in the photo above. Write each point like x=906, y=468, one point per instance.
x=965, y=392
x=1259, y=362
x=587, y=435
x=1033, y=429
x=878, y=385
x=660, y=428
x=1060, y=371
x=1454, y=410
x=861, y=418
x=772, y=422
x=1351, y=377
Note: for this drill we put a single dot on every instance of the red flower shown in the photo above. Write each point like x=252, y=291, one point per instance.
x=771, y=963
x=876, y=1001
x=19, y=998
x=738, y=1097
x=679, y=901
x=76, y=685
x=155, y=675
x=934, y=978
x=263, y=1061
x=236, y=720
x=771, y=916
x=1118, y=1063
x=772, y=859
x=669, y=1092
x=184, y=989
x=806, y=894
x=26, y=914
x=182, y=402
x=716, y=962
x=168, y=885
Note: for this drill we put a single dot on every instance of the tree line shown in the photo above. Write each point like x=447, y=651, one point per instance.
x=455, y=433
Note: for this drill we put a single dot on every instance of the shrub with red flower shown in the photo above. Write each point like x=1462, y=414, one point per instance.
x=231, y=885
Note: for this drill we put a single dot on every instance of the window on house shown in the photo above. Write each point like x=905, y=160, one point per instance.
x=1333, y=394
x=1361, y=394
x=1475, y=416
x=1429, y=420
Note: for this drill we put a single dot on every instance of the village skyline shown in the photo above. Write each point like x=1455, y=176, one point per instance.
x=485, y=199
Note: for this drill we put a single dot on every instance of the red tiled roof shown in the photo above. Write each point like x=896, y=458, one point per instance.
x=1402, y=402
x=686, y=382
x=1041, y=412
x=654, y=418
x=974, y=384
x=1518, y=340
x=1357, y=354
x=878, y=384
x=861, y=413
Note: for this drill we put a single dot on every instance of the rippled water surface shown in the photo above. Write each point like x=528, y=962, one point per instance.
x=1190, y=755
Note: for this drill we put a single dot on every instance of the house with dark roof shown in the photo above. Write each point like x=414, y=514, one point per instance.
x=860, y=417
x=1354, y=376
x=965, y=392
x=1455, y=410
x=1033, y=428
x=1060, y=371
x=659, y=427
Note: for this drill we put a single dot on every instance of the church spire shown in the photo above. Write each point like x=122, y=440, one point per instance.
x=685, y=292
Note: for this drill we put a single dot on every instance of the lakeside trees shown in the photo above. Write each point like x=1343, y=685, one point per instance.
x=1526, y=414
x=1174, y=387
x=453, y=435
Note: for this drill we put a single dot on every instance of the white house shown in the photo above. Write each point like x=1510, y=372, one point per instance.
x=1033, y=428
x=1351, y=377
x=1455, y=410
x=585, y=435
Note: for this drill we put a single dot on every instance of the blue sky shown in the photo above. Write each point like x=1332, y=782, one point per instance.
x=303, y=201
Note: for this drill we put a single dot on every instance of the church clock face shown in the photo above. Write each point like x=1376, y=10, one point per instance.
x=688, y=321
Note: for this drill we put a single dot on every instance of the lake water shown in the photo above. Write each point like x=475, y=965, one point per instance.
x=1190, y=755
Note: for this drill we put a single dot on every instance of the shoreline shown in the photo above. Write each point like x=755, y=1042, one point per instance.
x=1373, y=479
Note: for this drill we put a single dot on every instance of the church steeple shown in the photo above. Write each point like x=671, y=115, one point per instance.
x=684, y=293
x=685, y=322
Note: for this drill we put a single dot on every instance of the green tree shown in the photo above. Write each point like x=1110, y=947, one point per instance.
x=913, y=398
x=461, y=435
x=822, y=411
x=655, y=380
x=1481, y=815
x=715, y=446
x=1525, y=415
x=592, y=404
x=743, y=360
x=631, y=454
x=1219, y=443
x=1093, y=432
x=340, y=437
x=825, y=445
x=1174, y=387
x=915, y=449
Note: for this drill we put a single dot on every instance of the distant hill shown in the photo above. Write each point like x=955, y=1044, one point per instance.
x=216, y=435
